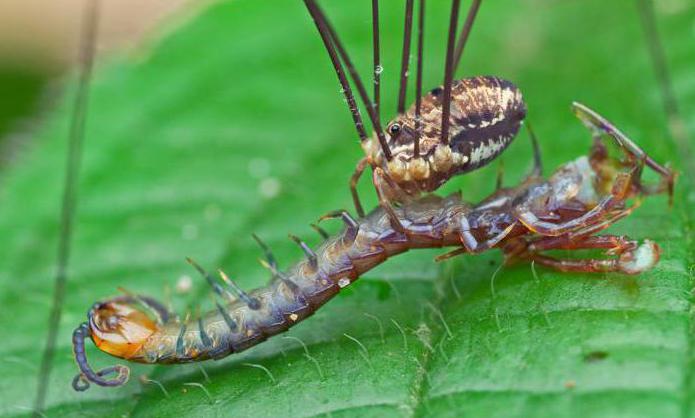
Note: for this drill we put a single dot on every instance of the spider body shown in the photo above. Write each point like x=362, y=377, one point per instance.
x=486, y=112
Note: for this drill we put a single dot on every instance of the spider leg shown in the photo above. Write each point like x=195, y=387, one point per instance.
x=631, y=261
x=632, y=258
x=381, y=183
x=598, y=125
x=359, y=170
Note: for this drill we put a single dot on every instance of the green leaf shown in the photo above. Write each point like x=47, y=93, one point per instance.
x=234, y=124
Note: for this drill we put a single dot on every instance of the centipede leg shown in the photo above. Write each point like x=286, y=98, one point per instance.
x=631, y=262
x=359, y=170
x=322, y=232
x=266, y=251
x=632, y=258
x=583, y=222
x=613, y=244
x=310, y=254
x=381, y=181
x=249, y=300
x=351, y=225
x=471, y=243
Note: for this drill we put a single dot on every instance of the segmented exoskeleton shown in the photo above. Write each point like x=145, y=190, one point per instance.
x=566, y=211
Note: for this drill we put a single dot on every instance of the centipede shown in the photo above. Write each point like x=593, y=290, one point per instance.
x=454, y=129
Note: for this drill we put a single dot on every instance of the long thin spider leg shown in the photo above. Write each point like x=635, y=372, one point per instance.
x=449, y=72
x=337, y=66
x=359, y=169
x=537, y=170
x=677, y=125
x=598, y=125
x=405, y=57
x=351, y=224
x=75, y=139
x=337, y=45
x=465, y=32
x=376, y=50
x=418, y=77
x=381, y=181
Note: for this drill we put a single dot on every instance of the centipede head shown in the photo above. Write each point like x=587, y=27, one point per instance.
x=486, y=114
x=120, y=327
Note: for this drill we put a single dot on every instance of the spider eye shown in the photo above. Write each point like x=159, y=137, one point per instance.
x=394, y=129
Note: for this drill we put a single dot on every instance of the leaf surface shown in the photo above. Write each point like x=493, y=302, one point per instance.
x=234, y=124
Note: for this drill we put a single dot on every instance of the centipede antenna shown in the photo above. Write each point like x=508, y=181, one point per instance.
x=69, y=200
x=405, y=57
x=216, y=287
x=310, y=254
x=81, y=382
x=449, y=71
x=376, y=49
x=537, y=160
x=332, y=42
x=463, y=37
x=250, y=301
x=320, y=231
x=266, y=251
x=418, y=77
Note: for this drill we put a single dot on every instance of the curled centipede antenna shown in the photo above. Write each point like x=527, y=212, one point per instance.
x=449, y=71
x=250, y=301
x=463, y=37
x=418, y=77
x=336, y=52
x=405, y=57
x=310, y=254
x=87, y=375
x=376, y=52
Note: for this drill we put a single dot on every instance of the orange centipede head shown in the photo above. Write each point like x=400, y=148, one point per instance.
x=119, y=327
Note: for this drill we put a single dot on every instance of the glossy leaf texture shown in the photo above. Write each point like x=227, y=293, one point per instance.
x=233, y=123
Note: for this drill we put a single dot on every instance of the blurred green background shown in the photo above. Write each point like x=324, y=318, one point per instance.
x=231, y=122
